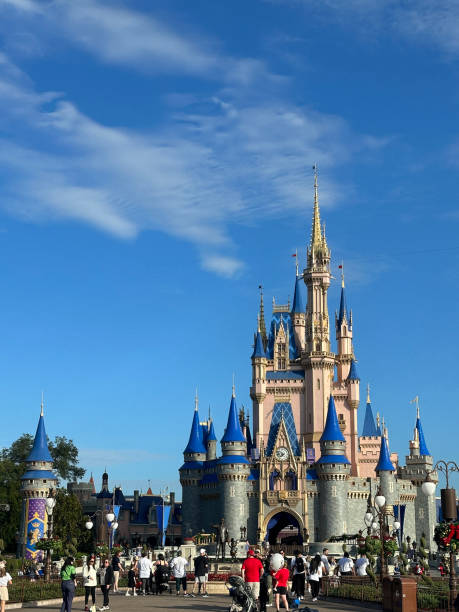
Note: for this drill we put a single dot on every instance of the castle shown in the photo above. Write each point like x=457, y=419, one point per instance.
x=304, y=466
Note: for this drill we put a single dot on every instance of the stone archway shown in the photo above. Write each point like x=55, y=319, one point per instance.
x=278, y=520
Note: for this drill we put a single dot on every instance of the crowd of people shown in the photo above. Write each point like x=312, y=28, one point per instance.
x=269, y=586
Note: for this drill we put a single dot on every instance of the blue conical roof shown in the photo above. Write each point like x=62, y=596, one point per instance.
x=423, y=450
x=211, y=436
x=258, y=350
x=332, y=432
x=233, y=432
x=297, y=297
x=384, y=463
x=353, y=372
x=195, y=443
x=40, y=451
x=342, y=307
x=369, y=425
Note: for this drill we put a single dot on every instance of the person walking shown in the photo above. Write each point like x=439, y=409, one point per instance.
x=281, y=577
x=316, y=571
x=68, y=584
x=324, y=559
x=346, y=565
x=106, y=581
x=252, y=570
x=144, y=573
x=89, y=582
x=131, y=590
x=117, y=570
x=5, y=580
x=201, y=569
x=178, y=567
x=299, y=574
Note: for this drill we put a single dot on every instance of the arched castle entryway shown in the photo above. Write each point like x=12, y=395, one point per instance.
x=283, y=524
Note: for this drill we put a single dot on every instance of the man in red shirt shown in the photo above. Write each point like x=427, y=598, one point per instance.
x=252, y=570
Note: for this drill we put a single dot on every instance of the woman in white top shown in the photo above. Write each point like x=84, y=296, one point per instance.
x=90, y=582
x=316, y=570
x=5, y=580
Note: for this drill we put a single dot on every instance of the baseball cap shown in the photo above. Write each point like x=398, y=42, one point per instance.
x=202, y=551
x=251, y=552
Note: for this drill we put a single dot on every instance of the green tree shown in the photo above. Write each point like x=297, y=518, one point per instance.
x=69, y=524
x=12, y=467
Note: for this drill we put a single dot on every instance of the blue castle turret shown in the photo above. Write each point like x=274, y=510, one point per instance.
x=333, y=469
x=36, y=484
x=385, y=470
x=369, y=425
x=191, y=474
x=233, y=472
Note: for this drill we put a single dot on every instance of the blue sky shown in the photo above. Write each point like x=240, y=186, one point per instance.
x=155, y=167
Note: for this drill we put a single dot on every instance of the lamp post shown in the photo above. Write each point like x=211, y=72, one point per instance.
x=449, y=511
x=111, y=525
x=375, y=517
x=50, y=503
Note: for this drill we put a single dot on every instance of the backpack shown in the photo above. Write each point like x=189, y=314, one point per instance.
x=299, y=564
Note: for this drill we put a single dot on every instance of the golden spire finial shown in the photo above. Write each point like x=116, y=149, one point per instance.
x=368, y=394
x=258, y=323
x=316, y=236
x=296, y=261
x=42, y=404
x=342, y=273
x=378, y=420
x=234, y=388
x=196, y=400
x=262, y=318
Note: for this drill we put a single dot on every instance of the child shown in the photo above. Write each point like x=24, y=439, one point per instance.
x=5, y=580
x=282, y=577
x=131, y=578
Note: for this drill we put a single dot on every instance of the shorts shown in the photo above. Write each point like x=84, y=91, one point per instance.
x=4, y=593
x=200, y=579
x=255, y=586
x=116, y=575
x=281, y=590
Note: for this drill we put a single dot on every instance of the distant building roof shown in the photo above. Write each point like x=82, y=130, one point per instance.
x=285, y=375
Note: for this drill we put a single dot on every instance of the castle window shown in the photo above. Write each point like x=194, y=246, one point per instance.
x=334, y=491
x=344, y=526
x=232, y=491
x=344, y=330
x=290, y=481
x=241, y=509
x=318, y=384
x=281, y=356
x=391, y=487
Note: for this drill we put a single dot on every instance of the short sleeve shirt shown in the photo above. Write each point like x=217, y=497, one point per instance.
x=252, y=568
x=5, y=579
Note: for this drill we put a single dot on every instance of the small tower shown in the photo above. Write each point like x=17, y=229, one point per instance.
x=190, y=476
x=386, y=473
x=353, y=399
x=419, y=463
x=211, y=443
x=233, y=472
x=36, y=484
x=333, y=469
x=369, y=427
x=343, y=324
x=298, y=315
x=258, y=388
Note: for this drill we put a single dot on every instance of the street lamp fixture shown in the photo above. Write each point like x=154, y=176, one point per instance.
x=449, y=511
x=50, y=503
x=375, y=517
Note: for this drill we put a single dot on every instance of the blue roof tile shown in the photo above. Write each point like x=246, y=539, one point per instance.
x=353, y=372
x=209, y=478
x=211, y=435
x=233, y=459
x=40, y=451
x=298, y=304
x=332, y=432
x=423, y=450
x=342, y=307
x=258, y=350
x=192, y=465
x=311, y=474
x=282, y=410
x=45, y=474
x=334, y=459
x=369, y=425
x=285, y=375
x=195, y=442
x=254, y=475
x=233, y=432
x=275, y=324
x=384, y=463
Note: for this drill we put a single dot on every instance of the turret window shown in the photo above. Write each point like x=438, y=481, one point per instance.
x=281, y=356
x=318, y=384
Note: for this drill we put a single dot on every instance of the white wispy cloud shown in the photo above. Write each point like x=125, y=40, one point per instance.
x=101, y=457
x=229, y=158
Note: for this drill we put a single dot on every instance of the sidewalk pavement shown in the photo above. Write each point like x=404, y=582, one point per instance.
x=215, y=603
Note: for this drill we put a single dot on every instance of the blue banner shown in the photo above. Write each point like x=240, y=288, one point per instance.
x=162, y=518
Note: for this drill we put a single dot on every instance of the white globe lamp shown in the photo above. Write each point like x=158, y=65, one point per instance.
x=110, y=517
x=89, y=524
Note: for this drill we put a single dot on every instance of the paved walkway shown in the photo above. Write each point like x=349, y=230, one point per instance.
x=215, y=603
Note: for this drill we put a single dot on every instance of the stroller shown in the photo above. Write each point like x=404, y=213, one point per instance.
x=243, y=600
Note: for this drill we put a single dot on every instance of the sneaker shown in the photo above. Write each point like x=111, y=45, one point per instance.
x=192, y=595
x=135, y=593
x=102, y=609
x=128, y=594
x=187, y=595
x=205, y=595
x=86, y=609
x=314, y=599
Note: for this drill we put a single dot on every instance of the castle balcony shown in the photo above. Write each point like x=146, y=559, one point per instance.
x=274, y=498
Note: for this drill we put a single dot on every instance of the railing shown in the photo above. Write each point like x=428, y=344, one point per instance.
x=433, y=597
x=289, y=549
x=352, y=587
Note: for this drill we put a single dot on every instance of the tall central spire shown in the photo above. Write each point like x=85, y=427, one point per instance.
x=318, y=249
